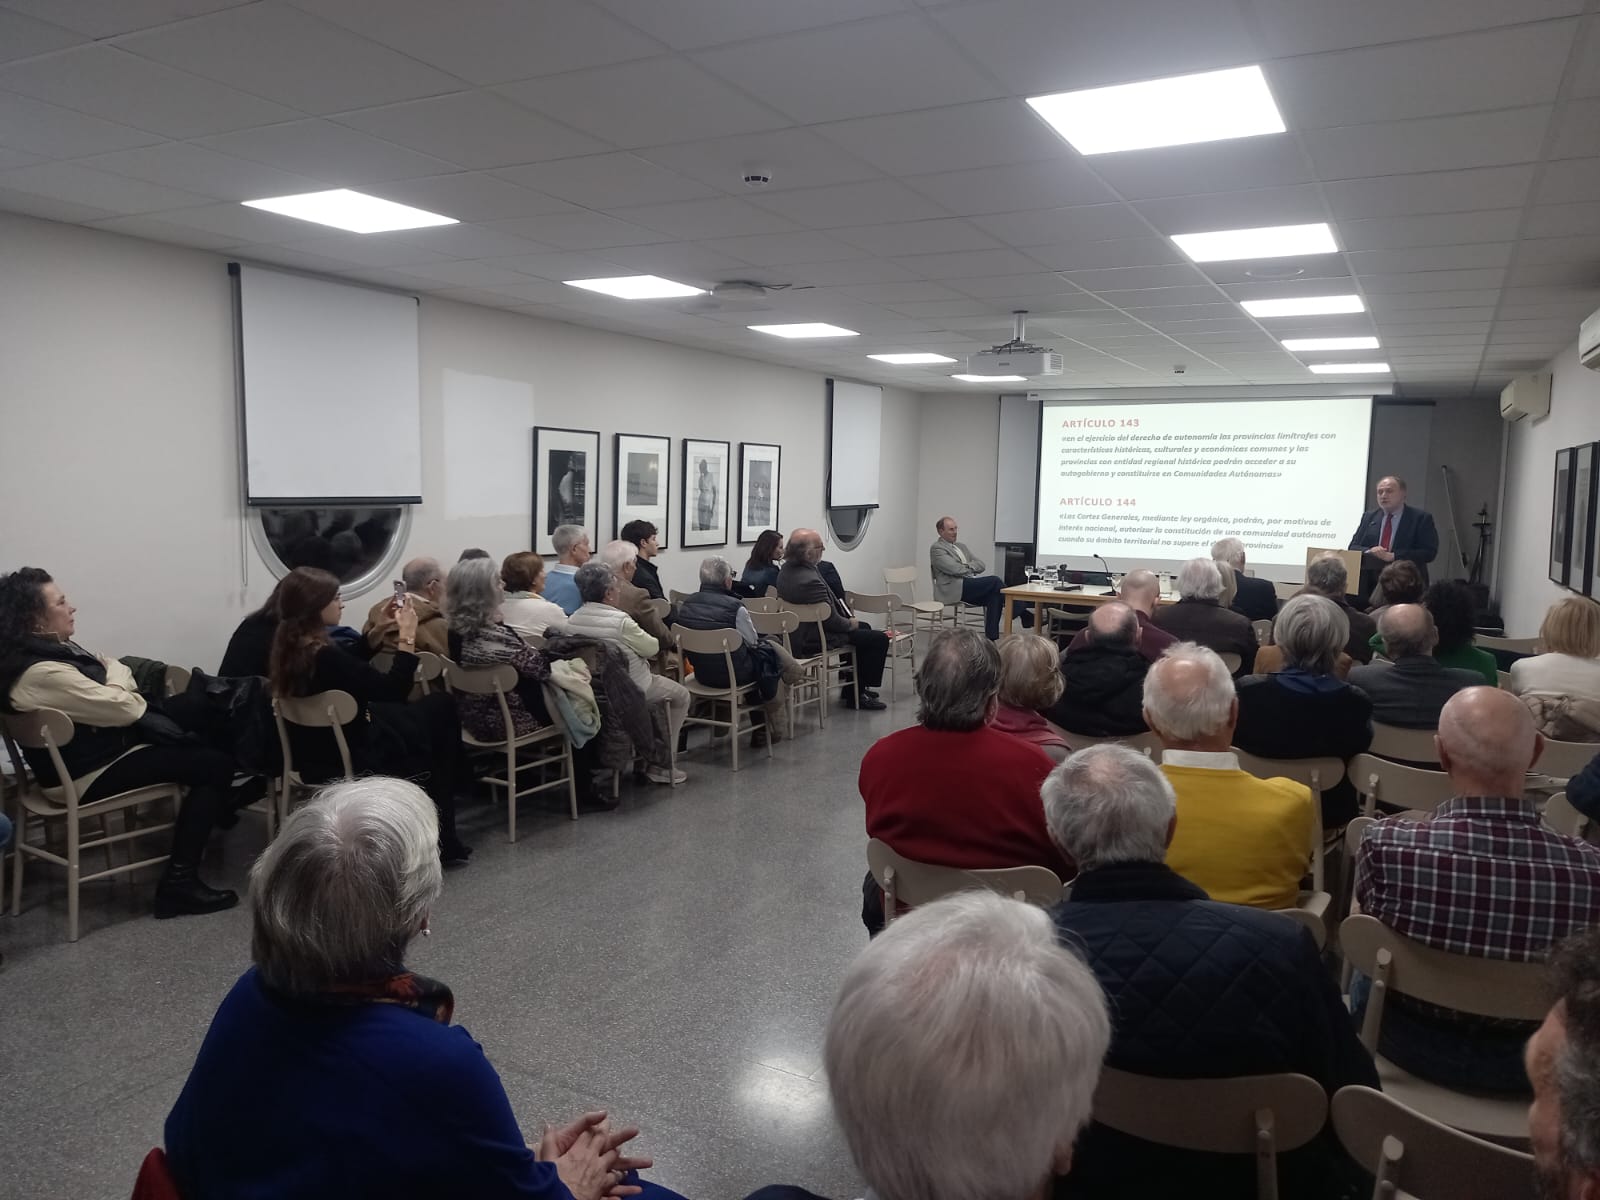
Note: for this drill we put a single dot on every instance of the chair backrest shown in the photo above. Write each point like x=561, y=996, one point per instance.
x=706, y=641
x=1263, y=630
x=906, y=881
x=1146, y=742
x=1413, y=745
x=661, y=608
x=1505, y=680
x=771, y=592
x=1223, y=1116
x=675, y=597
x=45, y=729
x=869, y=602
x=1563, y=760
x=1510, y=645
x=1419, y=1156
x=1563, y=818
x=1232, y=661
x=322, y=710
x=763, y=604
x=1484, y=986
x=814, y=614
x=902, y=581
x=177, y=679
x=1394, y=783
x=430, y=666
x=481, y=681
x=779, y=623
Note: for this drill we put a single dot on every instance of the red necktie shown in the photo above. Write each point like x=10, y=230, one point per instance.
x=1388, y=528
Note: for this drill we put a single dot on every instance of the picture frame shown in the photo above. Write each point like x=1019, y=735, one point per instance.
x=566, y=483
x=704, y=507
x=642, y=481
x=1561, y=516
x=1584, y=565
x=760, y=488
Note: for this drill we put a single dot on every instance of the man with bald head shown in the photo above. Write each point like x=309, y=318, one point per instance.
x=799, y=582
x=1104, y=692
x=1484, y=877
x=424, y=583
x=1412, y=692
x=1139, y=591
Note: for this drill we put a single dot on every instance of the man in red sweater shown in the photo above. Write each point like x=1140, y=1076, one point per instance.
x=952, y=791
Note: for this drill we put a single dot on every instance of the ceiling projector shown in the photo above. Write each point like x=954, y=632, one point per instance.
x=1016, y=357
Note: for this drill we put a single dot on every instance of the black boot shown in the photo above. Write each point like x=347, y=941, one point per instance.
x=181, y=892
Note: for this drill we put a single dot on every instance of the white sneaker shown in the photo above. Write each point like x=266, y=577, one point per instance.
x=666, y=775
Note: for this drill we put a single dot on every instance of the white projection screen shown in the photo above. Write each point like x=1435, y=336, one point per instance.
x=332, y=404
x=1153, y=483
x=855, y=415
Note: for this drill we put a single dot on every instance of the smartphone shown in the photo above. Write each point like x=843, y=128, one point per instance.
x=399, y=594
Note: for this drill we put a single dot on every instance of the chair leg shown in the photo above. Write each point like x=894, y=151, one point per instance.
x=73, y=836
x=572, y=777
x=511, y=792
x=17, y=859
x=733, y=725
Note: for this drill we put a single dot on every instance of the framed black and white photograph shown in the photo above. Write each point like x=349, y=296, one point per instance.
x=642, y=479
x=1581, y=576
x=705, y=493
x=566, y=483
x=758, y=489
x=1561, y=517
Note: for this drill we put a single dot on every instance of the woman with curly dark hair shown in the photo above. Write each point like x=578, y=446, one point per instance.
x=119, y=742
x=1455, y=613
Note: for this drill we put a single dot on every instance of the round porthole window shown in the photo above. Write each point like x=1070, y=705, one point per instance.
x=359, y=544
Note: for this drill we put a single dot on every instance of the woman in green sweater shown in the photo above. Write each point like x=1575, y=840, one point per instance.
x=1454, y=614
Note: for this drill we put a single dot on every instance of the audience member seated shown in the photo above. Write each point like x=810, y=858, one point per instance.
x=1400, y=582
x=1583, y=790
x=799, y=582
x=1454, y=614
x=1030, y=682
x=1103, y=692
x=251, y=644
x=759, y=661
x=1483, y=877
x=1563, y=1062
x=1305, y=710
x=389, y=736
x=962, y=1055
x=479, y=637
x=524, y=609
x=119, y=742
x=473, y=552
x=573, y=550
x=1326, y=576
x=1412, y=691
x=953, y=790
x=1199, y=617
x=424, y=583
x=1196, y=989
x=959, y=577
x=601, y=618
x=1140, y=590
x=623, y=559
x=1242, y=839
x=1561, y=684
x=762, y=567
x=645, y=538
x=330, y=1070
x=1253, y=598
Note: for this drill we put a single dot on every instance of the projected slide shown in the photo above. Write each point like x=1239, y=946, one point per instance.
x=1157, y=483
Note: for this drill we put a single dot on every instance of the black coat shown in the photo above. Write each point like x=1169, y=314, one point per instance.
x=1413, y=691
x=1209, y=624
x=250, y=647
x=1202, y=989
x=1104, y=693
x=647, y=577
x=1279, y=720
x=1256, y=599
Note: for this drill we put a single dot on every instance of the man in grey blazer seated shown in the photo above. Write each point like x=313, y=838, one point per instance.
x=1413, y=691
x=959, y=576
x=799, y=582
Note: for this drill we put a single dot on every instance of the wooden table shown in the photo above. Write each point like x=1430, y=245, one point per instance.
x=1040, y=596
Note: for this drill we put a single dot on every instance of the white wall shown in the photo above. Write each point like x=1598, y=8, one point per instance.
x=118, y=451
x=1524, y=575
x=959, y=439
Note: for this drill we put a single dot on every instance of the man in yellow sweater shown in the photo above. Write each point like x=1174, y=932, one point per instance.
x=1244, y=840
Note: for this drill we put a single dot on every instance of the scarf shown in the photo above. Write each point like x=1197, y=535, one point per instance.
x=417, y=992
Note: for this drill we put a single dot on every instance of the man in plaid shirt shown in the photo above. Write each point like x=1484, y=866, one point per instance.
x=1484, y=877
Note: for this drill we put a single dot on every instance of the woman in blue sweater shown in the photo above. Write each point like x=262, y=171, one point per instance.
x=330, y=1071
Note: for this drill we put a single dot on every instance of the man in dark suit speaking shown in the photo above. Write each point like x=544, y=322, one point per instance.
x=1393, y=530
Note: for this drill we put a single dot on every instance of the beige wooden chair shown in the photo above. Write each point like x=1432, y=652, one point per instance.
x=902, y=633
x=1509, y=645
x=781, y=625
x=430, y=668
x=906, y=881
x=1505, y=680
x=675, y=598
x=1258, y=1115
x=549, y=746
x=662, y=608
x=1410, y=1154
x=1562, y=760
x=1147, y=743
x=763, y=604
x=1394, y=783
x=1232, y=661
x=741, y=699
x=323, y=710
x=1318, y=774
x=828, y=663
x=1411, y=745
x=1563, y=818
x=49, y=729
x=1263, y=630
x=177, y=682
x=1481, y=986
x=902, y=581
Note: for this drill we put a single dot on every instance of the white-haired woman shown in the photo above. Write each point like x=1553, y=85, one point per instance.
x=473, y=596
x=1305, y=710
x=330, y=1070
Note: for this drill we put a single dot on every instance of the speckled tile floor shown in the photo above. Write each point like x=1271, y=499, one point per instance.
x=673, y=961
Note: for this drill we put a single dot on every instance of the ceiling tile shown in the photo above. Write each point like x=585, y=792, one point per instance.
x=1232, y=166
x=23, y=37
x=203, y=172
x=56, y=132
x=943, y=308
x=1093, y=223
x=987, y=134
x=471, y=196
x=1039, y=46
x=1315, y=271
x=561, y=265
x=795, y=158
x=970, y=263
x=874, y=201
x=682, y=99
x=1435, y=229
x=1048, y=183
x=1139, y=297
x=838, y=272
x=157, y=230
x=681, y=261
x=917, y=237
x=608, y=181
x=1047, y=285
x=1393, y=302
x=1432, y=144
x=302, y=260
x=692, y=24
x=1506, y=68
x=1387, y=283
x=49, y=208
x=1574, y=130
x=243, y=226
x=1570, y=181
x=286, y=55
x=95, y=189
x=1571, y=274
x=467, y=241
x=368, y=249
x=466, y=274
x=581, y=231
x=108, y=18
x=891, y=64
x=1297, y=205
x=697, y=219
x=325, y=150
x=1429, y=192
x=1562, y=220
x=1135, y=278
x=490, y=41
x=900, y=293
x=1121, y=252
x=16, y=158
x=1571, y=249
x=472, y=129
x=780, y=249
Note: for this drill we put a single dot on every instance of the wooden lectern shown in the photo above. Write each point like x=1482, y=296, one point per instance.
x=1352, y=563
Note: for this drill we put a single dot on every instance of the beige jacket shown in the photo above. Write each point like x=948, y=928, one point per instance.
x=432, y=633
x=59, y=685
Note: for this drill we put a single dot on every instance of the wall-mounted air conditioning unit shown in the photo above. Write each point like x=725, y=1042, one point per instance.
x=1589, y=342
x=1526, y=397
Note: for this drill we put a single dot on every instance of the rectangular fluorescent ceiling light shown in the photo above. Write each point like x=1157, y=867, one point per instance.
x=1303, y=306
x=636, y=287
x=814, y=329
x=1370, y=368
x=910, y=360
x=1270, y=241
x=991, y=378
x=352, y=211
x=1350, y=343
x=1179, y=111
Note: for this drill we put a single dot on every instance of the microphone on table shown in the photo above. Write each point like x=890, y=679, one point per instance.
x=1104, y=564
